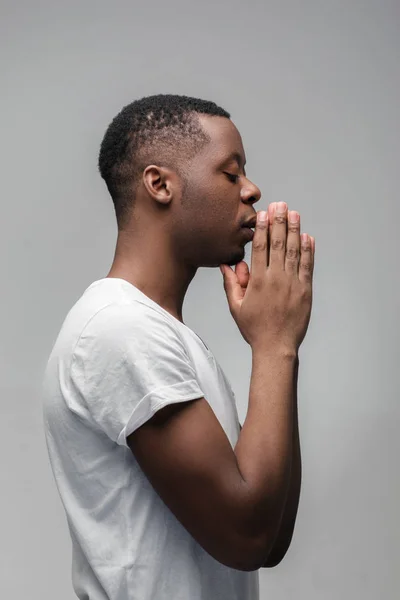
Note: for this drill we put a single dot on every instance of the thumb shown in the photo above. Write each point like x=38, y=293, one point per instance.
x=232, y=287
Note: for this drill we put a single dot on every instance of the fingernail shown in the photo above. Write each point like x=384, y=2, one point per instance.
x=281, y=207
x=293, y=216
x=262, y=216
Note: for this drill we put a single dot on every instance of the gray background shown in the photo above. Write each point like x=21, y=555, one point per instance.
x=314, y=88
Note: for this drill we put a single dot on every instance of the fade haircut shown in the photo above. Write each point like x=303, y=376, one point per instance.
x=162, y=130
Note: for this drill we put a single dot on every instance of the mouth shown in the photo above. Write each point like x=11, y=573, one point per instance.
x=249, y=232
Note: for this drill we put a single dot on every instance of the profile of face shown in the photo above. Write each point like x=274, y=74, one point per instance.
x=217, y=199
x=206, y=205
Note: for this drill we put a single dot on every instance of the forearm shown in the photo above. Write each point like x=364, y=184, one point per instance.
x=264, y=449
x=286, y=528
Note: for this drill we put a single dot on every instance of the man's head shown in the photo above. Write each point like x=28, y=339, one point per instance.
x=161, y=129
x=176, y=163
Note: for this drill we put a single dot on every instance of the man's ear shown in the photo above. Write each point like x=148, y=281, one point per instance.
x=161, y=183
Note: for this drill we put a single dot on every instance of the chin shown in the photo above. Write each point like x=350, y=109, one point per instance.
x=234, y=259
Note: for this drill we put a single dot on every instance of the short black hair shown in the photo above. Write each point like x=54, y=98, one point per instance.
x=152, y=129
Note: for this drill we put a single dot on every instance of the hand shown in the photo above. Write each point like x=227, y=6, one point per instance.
x=242, y=268
x=290, y=276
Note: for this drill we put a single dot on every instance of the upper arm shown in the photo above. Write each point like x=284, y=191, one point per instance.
x=189, y=461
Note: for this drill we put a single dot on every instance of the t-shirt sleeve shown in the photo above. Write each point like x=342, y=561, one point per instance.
x=128, y=363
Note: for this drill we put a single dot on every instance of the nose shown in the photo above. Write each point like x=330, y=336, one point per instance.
x=250, y=193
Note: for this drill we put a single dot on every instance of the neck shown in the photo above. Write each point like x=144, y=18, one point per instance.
x=150, y=265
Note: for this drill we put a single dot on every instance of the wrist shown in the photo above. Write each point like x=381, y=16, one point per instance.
x=275, y=349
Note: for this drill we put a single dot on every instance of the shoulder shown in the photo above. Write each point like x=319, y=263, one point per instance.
x=122, y=332
x=124, y=319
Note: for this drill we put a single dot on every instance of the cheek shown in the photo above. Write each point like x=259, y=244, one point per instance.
x=210, y=203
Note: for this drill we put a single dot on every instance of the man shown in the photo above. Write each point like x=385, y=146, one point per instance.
x=165, y=496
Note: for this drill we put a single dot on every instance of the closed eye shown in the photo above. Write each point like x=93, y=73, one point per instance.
x=231, y=177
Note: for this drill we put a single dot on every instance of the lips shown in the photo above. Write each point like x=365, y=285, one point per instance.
x=251, y=222
x=248, y=232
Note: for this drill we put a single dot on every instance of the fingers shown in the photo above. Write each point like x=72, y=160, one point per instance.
x=277, y=243
x=259, y=255
x=277, y=250
x=293, y=243
x=306, y=266
x=299, y=251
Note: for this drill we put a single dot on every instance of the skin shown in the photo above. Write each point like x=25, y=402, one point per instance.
x=175, y=229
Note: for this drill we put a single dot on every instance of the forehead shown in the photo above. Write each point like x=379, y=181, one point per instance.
x=225, y=138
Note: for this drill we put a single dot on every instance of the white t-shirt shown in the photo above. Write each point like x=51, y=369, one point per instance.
x=117, y=360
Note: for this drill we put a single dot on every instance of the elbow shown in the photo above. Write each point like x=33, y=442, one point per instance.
x=256, y=538
x=274, y=560
x=255, y=550
x=247, y=555
x=278, y=553
x=253, y=556
x=267, y=551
